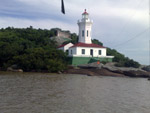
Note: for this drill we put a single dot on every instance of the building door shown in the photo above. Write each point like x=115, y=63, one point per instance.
x=91, y=52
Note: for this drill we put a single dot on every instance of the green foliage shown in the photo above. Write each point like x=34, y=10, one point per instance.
x=121, y=60
x=95, y=41
x=74, y=38
x=30, y=49
x=131, y=63
x=118, y=56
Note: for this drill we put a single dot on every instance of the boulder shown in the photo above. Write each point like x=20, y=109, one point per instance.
x=59, y=72
x=14, y=66
x=19, y=70
x=127, y=71
x=105, y=72
x=14, y=70
x=9, y=69
x=138, y=73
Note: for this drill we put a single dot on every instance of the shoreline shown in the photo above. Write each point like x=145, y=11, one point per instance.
x=108, y=69
x=89, y=72
x=105, y=72
x=95, y=69
x=93, y=72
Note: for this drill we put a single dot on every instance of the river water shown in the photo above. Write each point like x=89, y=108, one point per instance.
x=52, y=93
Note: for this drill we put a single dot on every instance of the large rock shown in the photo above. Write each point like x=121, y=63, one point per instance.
x=137, y=74
x=114, y=68
x=108, y=70
x=14, y=70
x=105, y=72
x=92, y=72
x=132, y=72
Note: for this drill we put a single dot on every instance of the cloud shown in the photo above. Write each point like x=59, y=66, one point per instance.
x=44, y=24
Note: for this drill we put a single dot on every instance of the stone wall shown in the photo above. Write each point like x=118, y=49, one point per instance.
x=63, y=34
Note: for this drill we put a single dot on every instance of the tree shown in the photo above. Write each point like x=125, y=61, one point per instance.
x=95, y=41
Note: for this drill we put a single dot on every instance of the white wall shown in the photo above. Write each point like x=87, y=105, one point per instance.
x=85, y=25
x=66, y=47
x=74, y=51
x=77, y=51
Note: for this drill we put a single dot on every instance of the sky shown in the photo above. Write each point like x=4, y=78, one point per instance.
x=119, y=24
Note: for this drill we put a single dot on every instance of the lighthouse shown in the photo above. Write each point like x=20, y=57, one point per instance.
x=85, y=28
x=85, y=51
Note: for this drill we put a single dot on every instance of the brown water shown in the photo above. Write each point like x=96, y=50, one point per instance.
x=47, y=93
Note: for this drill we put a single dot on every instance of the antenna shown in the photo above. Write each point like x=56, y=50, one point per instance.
x=62, y=7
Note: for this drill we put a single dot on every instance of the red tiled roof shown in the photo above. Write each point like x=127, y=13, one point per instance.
x=87, y=45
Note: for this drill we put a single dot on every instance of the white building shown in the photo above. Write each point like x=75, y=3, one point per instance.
x=85, y=28
x=85, y=51
x=65, y=47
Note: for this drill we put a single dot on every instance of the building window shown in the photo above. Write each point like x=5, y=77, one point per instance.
x=91, y=52
x=71, y=52
x=83, y=51
x=82, y=33
x=99, y=52
x=87, y=33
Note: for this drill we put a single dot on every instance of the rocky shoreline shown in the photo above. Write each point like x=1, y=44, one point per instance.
x=108, y=69
x=95, y=69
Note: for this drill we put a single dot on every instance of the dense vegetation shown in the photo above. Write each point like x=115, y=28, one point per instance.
x=30, y=49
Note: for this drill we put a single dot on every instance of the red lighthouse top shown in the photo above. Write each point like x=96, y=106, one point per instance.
x=85, y=13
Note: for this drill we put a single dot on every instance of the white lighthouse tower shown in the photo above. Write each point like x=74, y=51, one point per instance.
x=85, y=51
x=85, y=28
